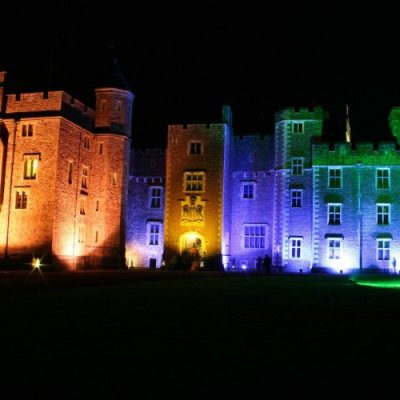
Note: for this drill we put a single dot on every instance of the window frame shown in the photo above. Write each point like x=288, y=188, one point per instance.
x=298, y=124
x=334, y=249
x=383, y=249
x=297, y=248
x=152, y=197
x=186, y=182
x=382, y=179
x=334, y=178
x=295, y=167
x=383, y=214
x=259, y=240
x=334, y=212
x=154, y=238
x=196, y=146
x=293, y=200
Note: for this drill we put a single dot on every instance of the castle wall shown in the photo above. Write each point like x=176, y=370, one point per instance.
x=148, y=168
x=253, y=165
x=210, y=163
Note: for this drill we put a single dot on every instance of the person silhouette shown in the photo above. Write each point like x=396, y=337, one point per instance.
x=394, y=262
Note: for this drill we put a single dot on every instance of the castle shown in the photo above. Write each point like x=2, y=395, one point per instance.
x=74, y=189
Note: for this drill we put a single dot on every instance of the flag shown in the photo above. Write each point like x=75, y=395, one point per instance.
x=348, y=129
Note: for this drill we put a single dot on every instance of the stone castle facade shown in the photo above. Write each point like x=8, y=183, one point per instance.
x=73, y=187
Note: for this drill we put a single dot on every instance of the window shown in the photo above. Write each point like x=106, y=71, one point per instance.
x=154, y=233
x=85, y=177
x=114, y=179
x=334, y=249
x=254, y=236
x=295, y=247
x=383, y=249
x=335, y=178
x=155, y=197
x=21, y=200
x=27, y=130
x=81, y=233
x=70, y=172
x=383, y=214
x=101, y=148
x=248, y=190
x=82, y=207
x=103, y=105
x=96, y=238
x=194, y=182
x=298, y=127
x=297, y=166
x=195, y=148
x=31, y=163
x=297, y=196
x=382, y=178
x=97, y=205
x=119, y=105
x=334, y=214
x=86, y=142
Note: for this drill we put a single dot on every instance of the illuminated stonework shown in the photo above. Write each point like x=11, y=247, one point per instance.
x=192, y=213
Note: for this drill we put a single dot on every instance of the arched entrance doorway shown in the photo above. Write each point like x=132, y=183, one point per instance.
x=192, y=245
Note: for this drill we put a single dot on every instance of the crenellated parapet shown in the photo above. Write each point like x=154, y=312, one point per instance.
x=367, y=153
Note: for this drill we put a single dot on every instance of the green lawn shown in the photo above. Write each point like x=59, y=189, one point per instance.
x=205, y=331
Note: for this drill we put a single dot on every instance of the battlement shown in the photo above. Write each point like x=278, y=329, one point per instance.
x=192, y=127
x=52, y=103
x=368, y=153
x=43, y=101
x=301, y=113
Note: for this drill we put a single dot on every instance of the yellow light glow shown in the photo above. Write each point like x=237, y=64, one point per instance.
x=36, y=263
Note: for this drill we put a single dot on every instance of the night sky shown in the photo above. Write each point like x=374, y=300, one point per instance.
x=184, y=63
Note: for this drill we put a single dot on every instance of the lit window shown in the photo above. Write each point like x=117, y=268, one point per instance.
x=297, y=166
x=154, y=229
x=155, y=197
x=383, y=214
x=195, y=148
x=335, y=178
x=194, y=182
x=70, y=164
x=21, y=200
x=254, y=236
x=382, y=178
x=297, y=196
x=31, y=163
x=248, y=190
x=334, y=249
x=85, y=177
x=383, y=249
x=298, y=127
x=295, y=247
x=334, y=214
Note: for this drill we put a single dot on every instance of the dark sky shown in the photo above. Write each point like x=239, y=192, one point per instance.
x=184, y=63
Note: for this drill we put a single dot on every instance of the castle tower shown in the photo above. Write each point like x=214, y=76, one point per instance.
x=293, y=200
x=195, y=218
x=66, y=176
x=110, y=172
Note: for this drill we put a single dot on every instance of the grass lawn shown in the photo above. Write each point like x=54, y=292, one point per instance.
x=222, y=329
